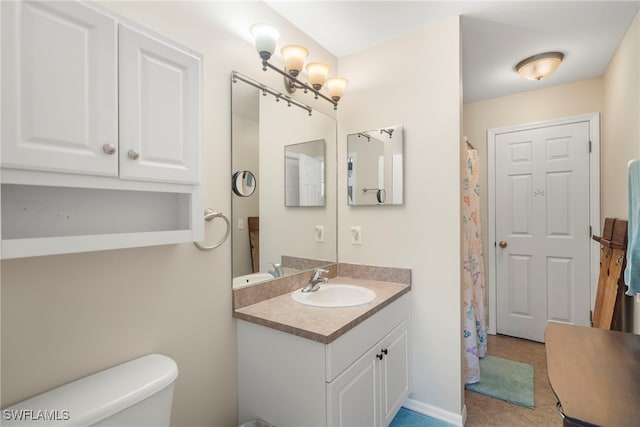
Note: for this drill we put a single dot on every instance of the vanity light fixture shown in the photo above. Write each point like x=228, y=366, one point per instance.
x=539, y=66
x=265, y=37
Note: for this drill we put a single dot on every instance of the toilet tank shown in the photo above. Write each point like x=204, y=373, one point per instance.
x=134, y=394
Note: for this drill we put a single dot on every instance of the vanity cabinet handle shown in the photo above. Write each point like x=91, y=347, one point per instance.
x=109, y=148
x=383, y=352
x=133, y=155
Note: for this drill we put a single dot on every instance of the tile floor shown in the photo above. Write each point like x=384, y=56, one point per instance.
x=486, y=411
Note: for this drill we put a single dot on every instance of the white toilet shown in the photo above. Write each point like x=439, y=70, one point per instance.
x=134, y=394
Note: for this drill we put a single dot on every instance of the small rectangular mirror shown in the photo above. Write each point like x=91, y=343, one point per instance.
x=375, y=167
x=304, y=174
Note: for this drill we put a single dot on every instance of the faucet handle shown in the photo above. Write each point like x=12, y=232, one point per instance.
x=317, y=273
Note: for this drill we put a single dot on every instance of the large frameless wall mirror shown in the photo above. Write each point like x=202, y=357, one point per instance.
x=304, y=174
x=375, y=167
x=271, y=237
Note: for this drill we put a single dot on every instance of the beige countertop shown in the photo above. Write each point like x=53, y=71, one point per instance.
x=318, y=323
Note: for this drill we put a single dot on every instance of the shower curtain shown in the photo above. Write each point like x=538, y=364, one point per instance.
x=475, y=325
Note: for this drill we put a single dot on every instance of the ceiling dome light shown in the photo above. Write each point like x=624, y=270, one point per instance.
x=539, y=66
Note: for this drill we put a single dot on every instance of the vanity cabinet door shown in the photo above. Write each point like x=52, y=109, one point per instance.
x=371, y=391
x=394, y=372
x=59, y=88
x=159, y=110
x=352, y=398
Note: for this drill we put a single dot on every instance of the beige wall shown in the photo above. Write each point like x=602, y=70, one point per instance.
x=67, y=316
x=423, y=234
x=621, y=129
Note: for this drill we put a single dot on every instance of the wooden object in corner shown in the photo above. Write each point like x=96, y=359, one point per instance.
x=610, y=281
x=254, y=242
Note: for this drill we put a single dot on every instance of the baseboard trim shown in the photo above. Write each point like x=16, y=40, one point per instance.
x=435, y=412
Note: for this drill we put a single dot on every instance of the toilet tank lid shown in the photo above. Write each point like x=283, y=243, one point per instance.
x=95, y=397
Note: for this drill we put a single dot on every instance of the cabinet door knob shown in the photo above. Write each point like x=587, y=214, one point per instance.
x=109, y=148
x=502, y=244
x=379, y=356
x=385, y=351
x=133, y=154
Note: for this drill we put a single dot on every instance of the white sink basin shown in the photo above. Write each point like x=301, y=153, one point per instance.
x=335, y=295
x=250, y=279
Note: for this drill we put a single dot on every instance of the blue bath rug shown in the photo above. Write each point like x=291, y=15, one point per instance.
x=506, y=380
x=408, y=418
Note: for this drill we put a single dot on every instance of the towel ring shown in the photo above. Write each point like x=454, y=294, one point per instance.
x=209, y=215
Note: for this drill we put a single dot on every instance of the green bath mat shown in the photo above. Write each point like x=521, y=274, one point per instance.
x=505, y=380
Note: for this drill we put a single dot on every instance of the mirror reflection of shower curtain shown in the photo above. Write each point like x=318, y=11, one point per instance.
x=475, y=324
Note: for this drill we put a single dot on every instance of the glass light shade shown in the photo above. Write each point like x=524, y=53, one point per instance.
x=317, y=74
x=294, y=57
x=265, y=37
x=540, y=66
x=336, y=85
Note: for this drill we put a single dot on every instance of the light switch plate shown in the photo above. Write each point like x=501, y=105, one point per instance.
x=356, y=235
x=320, y=233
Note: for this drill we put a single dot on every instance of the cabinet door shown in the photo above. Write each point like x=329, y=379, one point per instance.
x=352, y=398
x=59, y=88
x=394, y=372
x=159, y=110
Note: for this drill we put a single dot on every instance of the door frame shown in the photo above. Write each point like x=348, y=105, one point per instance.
x=594, y=200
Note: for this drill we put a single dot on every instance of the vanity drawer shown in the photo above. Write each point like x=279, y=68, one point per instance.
x=345, y=350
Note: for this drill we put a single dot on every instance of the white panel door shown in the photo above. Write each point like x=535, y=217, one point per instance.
x=353, y=396
x=542, y=229
x=59, y=88
x=159, y=110
x=310, y=181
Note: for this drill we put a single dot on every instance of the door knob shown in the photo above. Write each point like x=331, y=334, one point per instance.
x=503, y=244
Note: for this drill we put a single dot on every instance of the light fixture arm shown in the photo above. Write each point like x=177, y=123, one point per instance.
x=293, y=82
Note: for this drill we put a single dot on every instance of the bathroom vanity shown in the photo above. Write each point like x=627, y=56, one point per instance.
x=301, y=365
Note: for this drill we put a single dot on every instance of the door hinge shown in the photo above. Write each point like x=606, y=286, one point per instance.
x=591, y=316
x=590, y=231
x=589, y=145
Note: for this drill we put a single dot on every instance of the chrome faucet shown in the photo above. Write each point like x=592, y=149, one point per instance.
x=277, y=270
x=315, y=279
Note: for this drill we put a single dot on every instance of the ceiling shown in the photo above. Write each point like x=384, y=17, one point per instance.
x=496, y=35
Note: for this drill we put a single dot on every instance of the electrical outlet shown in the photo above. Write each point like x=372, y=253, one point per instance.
x=320, y=233
x=356, y=235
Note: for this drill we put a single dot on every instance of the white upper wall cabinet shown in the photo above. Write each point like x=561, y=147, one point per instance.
x=159, y=110
x=59, y=88
x=100, y=132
